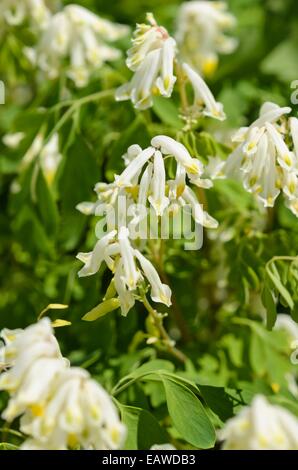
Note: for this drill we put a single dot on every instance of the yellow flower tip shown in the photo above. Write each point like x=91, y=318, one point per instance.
x=269, y=200
x=292, y=187
x=72, y=440
x=193, y=168
x=209, y=67
x=263, y=441
x=275, y=387
x=166, y=82
x=155, y=91
x=180, y=190
x=287, y=159
x=252, y=181
x=37, y=410
x=115, y=435
x=251, y=146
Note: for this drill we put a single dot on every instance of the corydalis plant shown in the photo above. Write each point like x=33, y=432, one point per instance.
x=266, y=159
x=142, y=185
x=154, y=60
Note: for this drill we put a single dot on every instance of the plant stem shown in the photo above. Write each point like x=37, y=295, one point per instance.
x=74, y=105
x=168, y=342
x=177, y=314
x=181, y=88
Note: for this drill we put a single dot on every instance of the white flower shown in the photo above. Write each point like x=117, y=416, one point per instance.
x=204, y=101
x=16, y=12
x=61, y=406
x=200, y=34
x=50, y=159
x=263, y=159
x=170, y=146
x=78, y=412
x=158, y=199
x=151, y=57
x=159, y=292
x=34, y=357
x=93, y=259
x=261, y=426
x=131, y=274
x=13, y=140
x=79, y=38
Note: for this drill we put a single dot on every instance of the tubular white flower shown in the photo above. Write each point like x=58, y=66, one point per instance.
x=134, y=167
x=170, y=146
x=151, y=58
x=200, y=216
x=204, y=100
x=261, y=426
x=285, y=157
x=61, y=406
x=94, y=258
x=200, y=34
x=158, y=199
x=50, y=159
x=159, y=292
x=131, y=274
x=126, y=298
x=77, y=37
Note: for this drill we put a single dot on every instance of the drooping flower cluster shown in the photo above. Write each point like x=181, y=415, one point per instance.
x=200, y=34
x=261, y=426
x=60, y=406
x=76, y=41
x=16, y=12
x=266, y=159
x=151, y=58
x=124, y=205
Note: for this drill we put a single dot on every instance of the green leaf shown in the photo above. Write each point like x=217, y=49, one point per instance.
x=167, y=112
x=282, y=61
x=188, y=415
x=7, y=446
x=47, y=207
x=270, y=306
x=275, y=278
x=143, y=428
x=257, y=354
x=102, y=309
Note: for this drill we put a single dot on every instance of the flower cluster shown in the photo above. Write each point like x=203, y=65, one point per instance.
x=124, y=205
x=76, y=40
x=266, y=159
x=261, y=426
x=151, y=58
x=16, y=12
x=200, y=34
x=60, y=406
